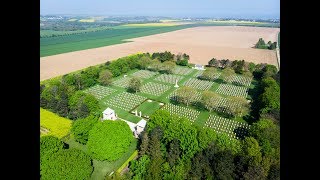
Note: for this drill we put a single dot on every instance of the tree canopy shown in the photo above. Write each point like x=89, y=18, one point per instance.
x=108, y=140
x=81, y=127
x=67, y=164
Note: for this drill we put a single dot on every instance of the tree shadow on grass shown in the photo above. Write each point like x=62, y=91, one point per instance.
x=241, y=132
x=220, y=81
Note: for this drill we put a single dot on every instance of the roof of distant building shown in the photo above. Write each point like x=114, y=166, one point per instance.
x=142, y=123
x=108, y=111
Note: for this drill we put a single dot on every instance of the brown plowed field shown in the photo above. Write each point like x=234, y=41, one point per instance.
x=201, y=43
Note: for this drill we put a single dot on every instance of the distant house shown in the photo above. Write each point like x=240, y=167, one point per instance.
x=109, y=114
x=198, y=67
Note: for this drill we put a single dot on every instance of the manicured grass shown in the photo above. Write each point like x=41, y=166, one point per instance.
x=147, y=108
x=125, y=164
x=57, y=126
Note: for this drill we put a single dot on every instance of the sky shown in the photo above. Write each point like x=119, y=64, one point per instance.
x=169, y=8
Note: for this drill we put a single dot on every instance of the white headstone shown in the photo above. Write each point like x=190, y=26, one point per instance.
x=140, y=113
x=136, y=112
x=176, y=86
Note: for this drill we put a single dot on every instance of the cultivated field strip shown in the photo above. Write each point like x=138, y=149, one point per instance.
x=99, y=91
x=233, y=129
x=188, y=113
x=231, y=90
x=155, y=89
x=125, y=101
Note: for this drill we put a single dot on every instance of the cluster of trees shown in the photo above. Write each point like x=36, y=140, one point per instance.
x=262, y=45
x=172, y=148
x=266, y=96
x=108, y=140
x=59, y=162
x=179, y=59
x=209, y=101
x=239, y=66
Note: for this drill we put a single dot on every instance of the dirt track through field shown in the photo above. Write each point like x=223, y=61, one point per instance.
x=201, y=43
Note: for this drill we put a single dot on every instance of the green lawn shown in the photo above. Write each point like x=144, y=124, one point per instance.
x=103, y=168
x=147, y=108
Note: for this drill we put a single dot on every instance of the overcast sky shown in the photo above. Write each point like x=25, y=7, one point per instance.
x=174, y=8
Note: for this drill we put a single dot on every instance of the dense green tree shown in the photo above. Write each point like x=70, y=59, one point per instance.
x=270, y=98
x=154, y=151
x=186, y=95
x=168, y=66
x=251, y=150
x=140, y=167
x=209, y=74
x=163, y=56
x=214, y=62
x=261, y=44
x=225, y=63
x=182, y=59
x=223, y=165
x=209, y=100
x=205, y=137
x=179, y=128
x=144, y=62
x=251, y=67
x=274, y=172
x=269, y=71
x=226, y=73
x=144, y=143
x=135, y=84
x=82, y=104
x=200, y=167
x=155, y=65
x=108, y=140
x=105, y=77
x=67, y=164
x=173, y=152
x=242, y=107
x=224, y=143
x=49, y=145
x=81, y=127
x=255, y=172
x=238, y=66
x=268, y=136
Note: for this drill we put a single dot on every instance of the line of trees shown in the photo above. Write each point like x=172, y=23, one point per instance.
x=262, y=45
x=173, y=148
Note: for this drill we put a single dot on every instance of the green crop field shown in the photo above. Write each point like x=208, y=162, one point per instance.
x=52, y=124
x=62, y=44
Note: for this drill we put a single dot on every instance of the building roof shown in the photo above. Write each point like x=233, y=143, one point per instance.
x=142, y=123
x=108, y=111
